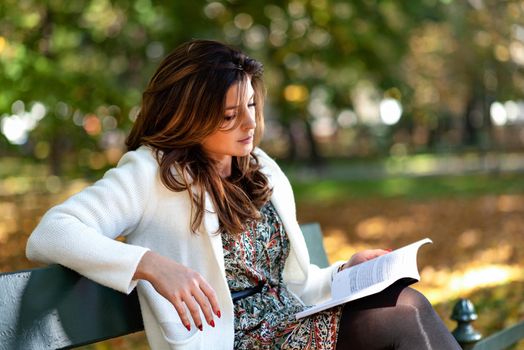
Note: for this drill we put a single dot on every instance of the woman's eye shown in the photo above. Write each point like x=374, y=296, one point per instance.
x=228, y=120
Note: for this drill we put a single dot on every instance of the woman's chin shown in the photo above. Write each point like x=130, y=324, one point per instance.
x=245, y=151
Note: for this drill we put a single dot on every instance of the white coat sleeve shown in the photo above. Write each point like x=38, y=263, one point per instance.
x=80, y=233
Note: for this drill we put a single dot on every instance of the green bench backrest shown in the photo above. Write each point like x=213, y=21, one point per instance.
x=502, y=339
x=315, y=246
x=54, y=307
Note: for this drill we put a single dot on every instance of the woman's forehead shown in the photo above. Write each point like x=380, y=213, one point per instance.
x=239, y=91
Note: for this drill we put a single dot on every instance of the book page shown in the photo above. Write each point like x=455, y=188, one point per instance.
x=372, y=276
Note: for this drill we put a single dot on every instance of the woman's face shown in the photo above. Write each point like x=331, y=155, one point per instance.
x=235, y=136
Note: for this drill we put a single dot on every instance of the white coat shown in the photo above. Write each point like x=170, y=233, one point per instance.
x=131, y=201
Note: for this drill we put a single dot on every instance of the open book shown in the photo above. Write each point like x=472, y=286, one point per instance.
x=371, y=277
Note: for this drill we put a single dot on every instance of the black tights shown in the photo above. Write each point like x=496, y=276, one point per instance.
x=397, y=318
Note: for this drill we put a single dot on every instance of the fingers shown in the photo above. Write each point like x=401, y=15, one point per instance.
x=211, y=296
x=193, y=303
x=364, y=255
x=197, y=295
x=181, y=310
x=374, y=253
x=193, y=308
x=185, y=288
x=205, y=305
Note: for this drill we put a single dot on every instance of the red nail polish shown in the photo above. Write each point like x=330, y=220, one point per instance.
x=200, y=327
x=219, y=314
x=188, y=327
x=212, y=323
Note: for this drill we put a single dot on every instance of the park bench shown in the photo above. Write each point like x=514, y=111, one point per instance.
x=54, y=308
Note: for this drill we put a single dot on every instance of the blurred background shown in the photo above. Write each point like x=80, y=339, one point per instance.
x=394, y=121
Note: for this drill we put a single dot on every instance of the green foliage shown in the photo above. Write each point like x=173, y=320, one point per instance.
x=87, y=62
x=414, y=187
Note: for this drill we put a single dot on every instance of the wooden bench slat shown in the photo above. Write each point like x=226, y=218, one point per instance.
x=54, y=307
x=503, y=339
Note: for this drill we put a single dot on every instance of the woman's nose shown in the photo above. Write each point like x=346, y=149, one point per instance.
x=249, y=119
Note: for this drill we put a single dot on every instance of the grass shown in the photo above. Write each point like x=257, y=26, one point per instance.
x=409, y=187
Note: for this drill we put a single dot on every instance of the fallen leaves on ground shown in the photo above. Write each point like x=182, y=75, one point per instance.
x=478, y=250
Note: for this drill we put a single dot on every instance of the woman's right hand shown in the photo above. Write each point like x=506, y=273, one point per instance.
x=180, y=285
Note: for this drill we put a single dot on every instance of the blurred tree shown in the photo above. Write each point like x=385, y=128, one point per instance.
x=85, y=63
x=460, y=66
x=330, y=47
x=72, y=72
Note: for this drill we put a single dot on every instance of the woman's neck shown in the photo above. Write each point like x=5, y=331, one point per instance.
x=224, y=166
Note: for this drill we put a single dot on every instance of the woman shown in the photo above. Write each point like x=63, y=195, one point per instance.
x=212, y=241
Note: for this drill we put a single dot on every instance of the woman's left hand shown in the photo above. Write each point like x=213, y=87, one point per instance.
x=362, y=256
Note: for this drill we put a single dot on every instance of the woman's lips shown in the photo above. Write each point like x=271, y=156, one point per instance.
x=246, y=140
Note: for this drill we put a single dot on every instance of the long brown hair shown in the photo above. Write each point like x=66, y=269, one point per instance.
x=183, y=103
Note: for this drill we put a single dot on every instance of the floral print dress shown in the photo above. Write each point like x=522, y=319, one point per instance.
x=266, y=320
